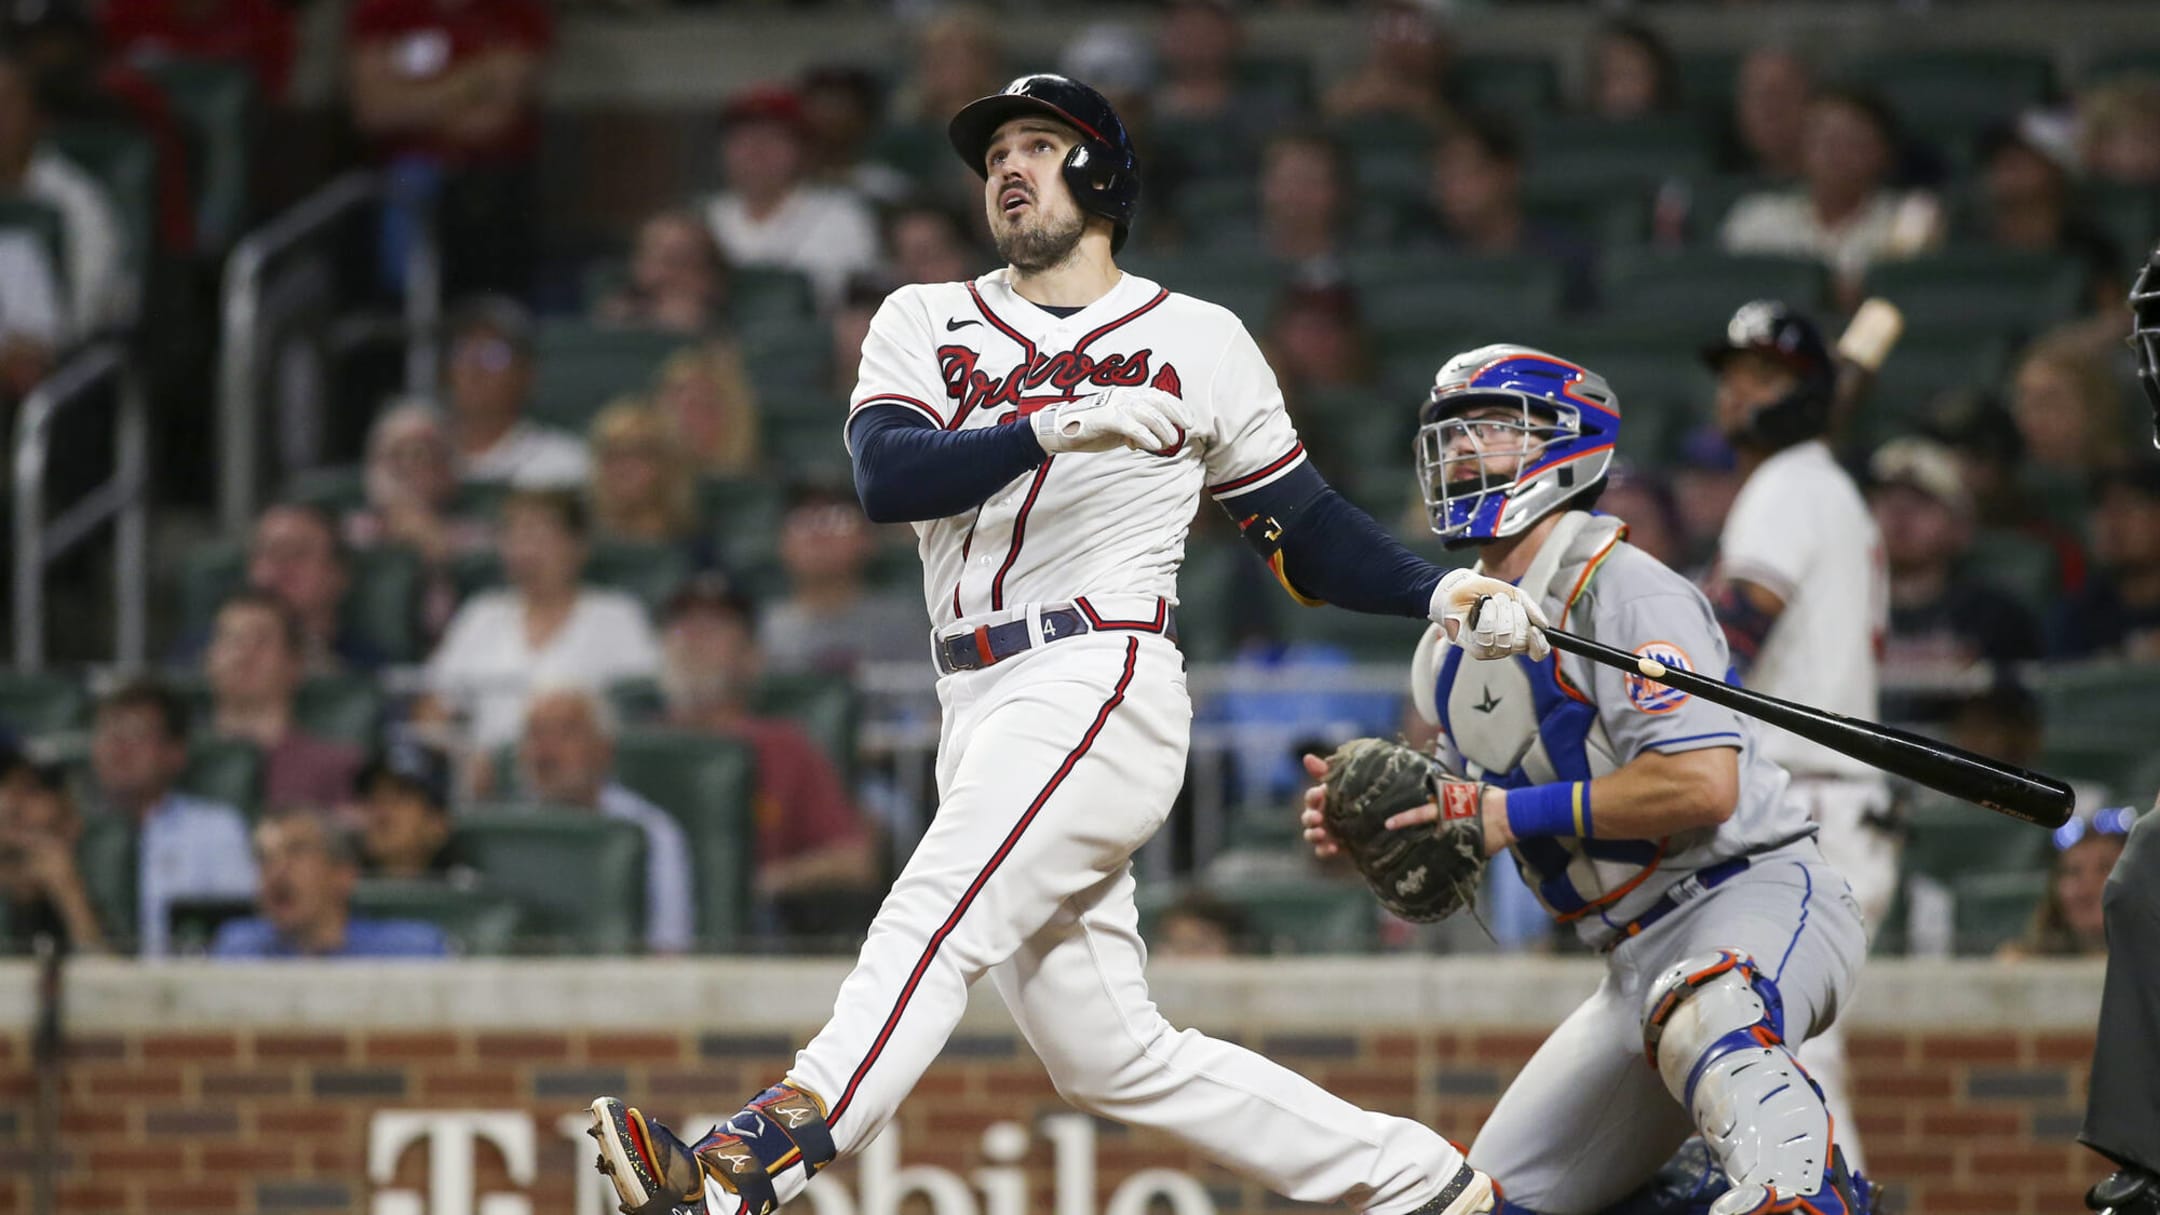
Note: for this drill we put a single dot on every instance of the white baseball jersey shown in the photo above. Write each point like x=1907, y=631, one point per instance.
x=1800, y=530
x=970, y=355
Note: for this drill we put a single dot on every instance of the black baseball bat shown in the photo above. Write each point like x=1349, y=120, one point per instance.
x=2031, y=796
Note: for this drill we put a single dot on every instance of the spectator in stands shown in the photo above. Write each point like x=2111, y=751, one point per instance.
x=1632, y=72
x=2069, y=413
x=1200, y=925
x=1405, y=69
x=297, y=556
x=1844, y=212
x=411, y=483
x=1317, y=342
x=2069, y=922
x=957, y=59
x=404, y=814
x=706, y=394
x=309, y=870
x=2003, y=723
x=2117, y=613
x=1476, y=194
x=2119, y=132
x=1941, y=617
x=1306, y=188
x=566, y=758
x=1769, y=114
x=811, y=838
x=255, y=665
x=33, y=324
x=931, y=244
x=842, y=108
x=490, y=383
x=1197, y=46
x=98, y=291
x=41, y=889
x=447, y=93
x=850, y=327
x=256, y=34
x=644, y=489
x=187, y=847
x=543, y=628
x=772, y=213
x=1644, y=500
x=2026, y=204
x=830, y=620
x=678, y=278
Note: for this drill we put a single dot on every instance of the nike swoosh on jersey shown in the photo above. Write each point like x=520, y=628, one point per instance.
x=957, y=323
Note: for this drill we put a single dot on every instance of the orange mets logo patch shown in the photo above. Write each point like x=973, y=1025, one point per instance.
x=1649, y=695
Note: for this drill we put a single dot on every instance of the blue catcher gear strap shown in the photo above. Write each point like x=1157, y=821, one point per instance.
x=1714, y=1027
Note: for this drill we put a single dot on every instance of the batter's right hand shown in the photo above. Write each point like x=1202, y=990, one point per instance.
x=1144, y=419
x=1316, y=832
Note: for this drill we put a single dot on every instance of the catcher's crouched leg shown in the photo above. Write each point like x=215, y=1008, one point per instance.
x=1714, y=1029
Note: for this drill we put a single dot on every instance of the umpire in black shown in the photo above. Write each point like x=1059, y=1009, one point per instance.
x=2122, y=1109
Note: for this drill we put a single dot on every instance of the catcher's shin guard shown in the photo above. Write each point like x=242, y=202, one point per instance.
x=1714, y=1029
x=655, y=1172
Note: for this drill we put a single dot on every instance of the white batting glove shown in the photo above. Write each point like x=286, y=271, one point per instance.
x=1144, y=419
x=1488, y=618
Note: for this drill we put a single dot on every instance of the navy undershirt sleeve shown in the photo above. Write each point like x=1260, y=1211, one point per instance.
x=907, y=470
x=1328, y=549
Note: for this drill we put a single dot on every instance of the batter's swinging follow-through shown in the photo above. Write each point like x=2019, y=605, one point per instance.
x=1048, y=429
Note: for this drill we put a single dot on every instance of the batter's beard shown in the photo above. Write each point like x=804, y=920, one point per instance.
x=1032, y=248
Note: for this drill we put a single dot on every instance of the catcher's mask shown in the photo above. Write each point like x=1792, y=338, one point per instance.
x=1566, y=415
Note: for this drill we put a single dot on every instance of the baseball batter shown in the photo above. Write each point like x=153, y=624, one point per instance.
x=1802, y=594
x=1648, y=819
x=1048, y=429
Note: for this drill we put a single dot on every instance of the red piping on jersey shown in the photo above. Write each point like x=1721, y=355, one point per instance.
x=1012, y=838
x=1019, y=536
x=998, y=321
x=966, y=542
x=1282, y=462
x=1095, y=620
x=894, y=398
x=1135, y=314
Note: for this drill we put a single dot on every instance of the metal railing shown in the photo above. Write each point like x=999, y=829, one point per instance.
x=244, y=351
x=124, y=498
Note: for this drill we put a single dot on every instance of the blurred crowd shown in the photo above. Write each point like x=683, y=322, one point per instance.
x=536, y=570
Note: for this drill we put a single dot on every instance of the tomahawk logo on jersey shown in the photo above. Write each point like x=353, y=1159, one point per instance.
x=1120, y=517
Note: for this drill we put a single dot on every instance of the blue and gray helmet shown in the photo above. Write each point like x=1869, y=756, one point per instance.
x=1567, y=419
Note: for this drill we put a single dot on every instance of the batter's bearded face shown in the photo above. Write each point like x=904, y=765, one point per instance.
x=1033, y=218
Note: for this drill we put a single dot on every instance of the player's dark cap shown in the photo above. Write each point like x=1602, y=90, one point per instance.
x=411, y=764
x=1102, y=170
x=1775, y=329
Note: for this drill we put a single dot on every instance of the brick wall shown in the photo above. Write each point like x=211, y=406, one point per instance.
x=266, y=1120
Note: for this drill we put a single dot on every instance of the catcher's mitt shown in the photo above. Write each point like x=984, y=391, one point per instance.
x=1426, y=872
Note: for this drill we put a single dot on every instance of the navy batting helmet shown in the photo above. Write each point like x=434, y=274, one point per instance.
x=1101, y=170
x=1785, y=335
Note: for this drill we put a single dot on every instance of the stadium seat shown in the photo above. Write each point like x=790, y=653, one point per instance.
x=216, y=100
x=1585, y=152
x=1419, y=292
x=225, y=770
x=2102, y=700
x=106, y=857
x=2115, y=64
x=806, y=439
x=34, y=703
x=649, y=571
x=710, y=786
x=2023, y=565
x=580, y=367
x=385, y=593
x=1219, y=212
x=764, y=300
x=1693, y=293
x=2129, y=213
x=1506, y=84
x=1711, y=197
x=1207, y=585
x=1290, y=917
x=124, y=161
x=1993, y=908
x=1603, y=217
x=1281, y=80
x=344, y=707
x=578, y=879
x=337, y=490
x=1926, y=365
x=825, y=706
x=1951, y=91
x=916, y=149
x=1980, y=291
x=1203, y=149
x=1946, y=837
x=479, y=923
x=1707, y=80
x=796, y=361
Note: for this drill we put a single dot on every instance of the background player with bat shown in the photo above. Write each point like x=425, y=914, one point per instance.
x=1646, y=818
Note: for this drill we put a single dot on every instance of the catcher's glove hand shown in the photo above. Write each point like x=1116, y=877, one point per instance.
x=1420, y=872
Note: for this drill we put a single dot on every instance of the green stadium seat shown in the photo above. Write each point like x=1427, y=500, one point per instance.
x=216, y=100
x=1290, y=917
x=1604, y=217
x=2130, y=214
x=1710, y=198
x=1956, y=90
x=1979, y=290
x=1927, y=364
x=751, y=503
x=381, y=607
x=710, y=786
x=1707, y=80
x=2116, y=64
x=337, y=490
x=479, y=923
x=580, y=367
x=1482, y=297
x=1283, y=80
x=1946, y=837
x=344, y=707
x=1690, y=293
x=649, y=571
x=2023, y=565
x=1993, y=908
x=225, y=770
x=804, y=440
x=1207, y=585
x=1584, y=152
x=919, y=150
x=1219, y=211
x=34, y=703
x=793, y=362
x=578, y=879
x=124, y=161
x=764, y=300
x=825, y=706
x=1506, y=84
x=2112, y=701
x=106, y=857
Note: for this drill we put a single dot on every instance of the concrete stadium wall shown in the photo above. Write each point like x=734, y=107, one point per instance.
x=411, y=1089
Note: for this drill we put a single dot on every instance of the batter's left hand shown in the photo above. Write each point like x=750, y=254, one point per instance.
x=1488, y=618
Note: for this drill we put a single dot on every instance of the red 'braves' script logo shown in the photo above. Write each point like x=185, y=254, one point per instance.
x=1043, y=380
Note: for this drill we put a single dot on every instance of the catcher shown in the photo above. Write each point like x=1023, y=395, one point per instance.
x=1645, y=818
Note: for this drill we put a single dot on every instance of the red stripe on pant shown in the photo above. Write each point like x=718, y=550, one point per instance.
x=922, y=966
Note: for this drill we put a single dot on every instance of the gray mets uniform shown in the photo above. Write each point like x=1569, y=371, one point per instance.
x=1588, y=1119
